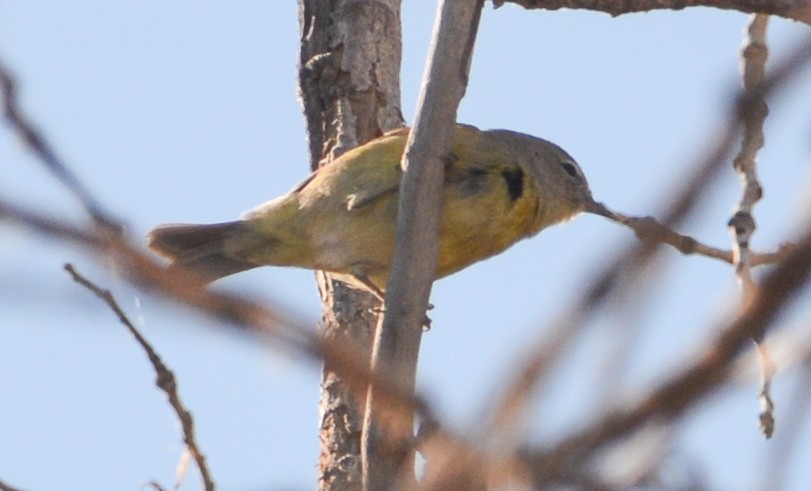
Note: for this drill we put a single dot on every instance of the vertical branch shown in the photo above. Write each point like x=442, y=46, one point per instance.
x=349, y=67
x=387, y=438
x=742, y=224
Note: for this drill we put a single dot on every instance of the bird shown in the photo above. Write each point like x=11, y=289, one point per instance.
x=500, y=186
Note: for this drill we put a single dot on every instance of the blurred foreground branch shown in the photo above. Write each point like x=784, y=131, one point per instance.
x=246, y=315
x=669, y=401
x=7, y=487
x=672, y=397
x=682, y=391
x=34, y=140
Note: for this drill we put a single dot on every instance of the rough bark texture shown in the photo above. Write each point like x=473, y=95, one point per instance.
x=349, y=89
x=349, y=72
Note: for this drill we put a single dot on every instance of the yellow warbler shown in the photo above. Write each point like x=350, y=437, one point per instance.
x=500, y=187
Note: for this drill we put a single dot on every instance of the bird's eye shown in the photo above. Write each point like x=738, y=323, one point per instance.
x=569, y=168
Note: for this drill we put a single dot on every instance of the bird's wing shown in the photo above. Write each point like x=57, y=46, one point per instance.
x=372, y=171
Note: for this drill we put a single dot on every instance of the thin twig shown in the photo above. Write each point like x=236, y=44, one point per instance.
x=742, y=224
x=648, y=229
x=155, y=485
x=165, y=378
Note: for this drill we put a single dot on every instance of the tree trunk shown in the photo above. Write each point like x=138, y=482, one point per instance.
x=349, y=87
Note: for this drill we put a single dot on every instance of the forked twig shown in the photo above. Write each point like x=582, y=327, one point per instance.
x=649, y=230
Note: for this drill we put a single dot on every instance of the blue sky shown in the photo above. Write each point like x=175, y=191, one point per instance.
x=187, y=111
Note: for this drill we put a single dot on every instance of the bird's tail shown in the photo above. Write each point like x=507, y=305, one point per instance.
x=200, y=249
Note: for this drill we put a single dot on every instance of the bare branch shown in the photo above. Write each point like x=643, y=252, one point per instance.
x=799, y=10
x=535, y=370
x=742, y=224
x=342, y=358
x=387, y=443
x=668, y=401
x=237, y=310
x=648, y=229
x=165, y=378
x=682, y=391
